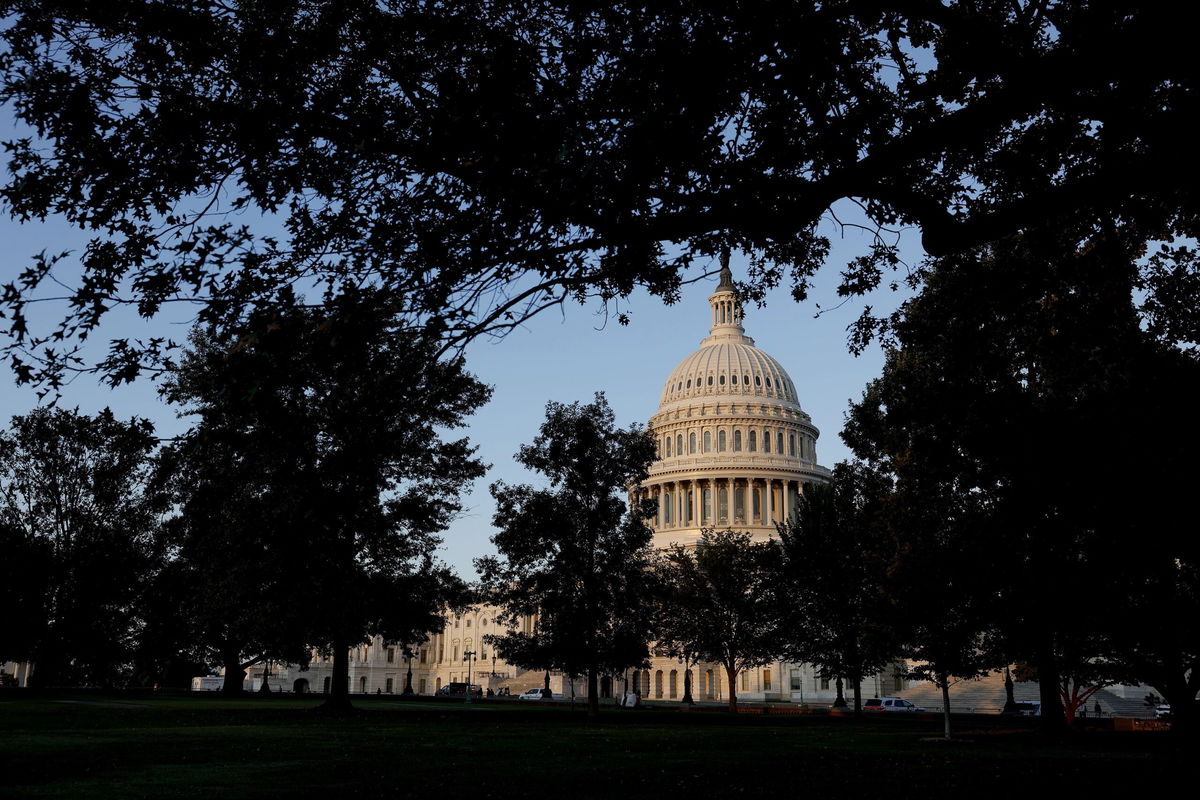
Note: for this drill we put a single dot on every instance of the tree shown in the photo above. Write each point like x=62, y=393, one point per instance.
x=354, y=479
x=1012, y=365
x=573, y=553
x=483, y=161
x=78, y=516
x=942, y=585
x=243, y=564
x=831, y=563
x=720, y=603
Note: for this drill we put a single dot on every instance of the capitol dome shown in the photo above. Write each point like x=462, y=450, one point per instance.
x=735, y=447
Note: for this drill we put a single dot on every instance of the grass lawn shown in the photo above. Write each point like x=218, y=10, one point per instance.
x=96, y=746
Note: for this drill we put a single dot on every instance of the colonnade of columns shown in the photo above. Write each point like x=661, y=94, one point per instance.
x=720, y=501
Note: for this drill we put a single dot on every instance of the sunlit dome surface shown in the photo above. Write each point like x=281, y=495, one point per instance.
x=728, y=365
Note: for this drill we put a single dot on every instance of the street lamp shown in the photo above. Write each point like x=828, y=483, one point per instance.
x=469, y=657
x=408, y=654
x=686, y=660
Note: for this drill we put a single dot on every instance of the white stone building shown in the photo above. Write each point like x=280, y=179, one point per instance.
x=735, y=451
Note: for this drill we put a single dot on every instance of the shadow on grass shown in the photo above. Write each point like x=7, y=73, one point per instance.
x=99, y=747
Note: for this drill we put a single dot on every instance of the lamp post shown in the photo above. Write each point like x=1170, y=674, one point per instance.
x=408, y=654
x=686, y=660
x=469, y=657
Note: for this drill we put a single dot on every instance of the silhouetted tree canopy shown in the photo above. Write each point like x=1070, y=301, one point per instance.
x=832, y=561
x=483, y=160
x=1026, y=387
x=327, y=429
x=720, y=602
x=78, y=522
x=573, y=553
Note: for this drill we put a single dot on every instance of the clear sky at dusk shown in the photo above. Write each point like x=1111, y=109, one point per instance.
x=562, y=355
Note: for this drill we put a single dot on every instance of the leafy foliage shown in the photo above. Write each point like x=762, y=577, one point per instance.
x=326, y=424
x=833, y=558
x=1019, y=370
x=573, y=554
x=482, y=161
x=720, y=602
x=78, y=524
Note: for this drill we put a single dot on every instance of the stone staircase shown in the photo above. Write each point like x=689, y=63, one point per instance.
x=986, y=696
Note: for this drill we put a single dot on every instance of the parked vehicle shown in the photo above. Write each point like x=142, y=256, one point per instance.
x=889, y=704
x=459, y=690
x=533, y=694
x=1026, y=708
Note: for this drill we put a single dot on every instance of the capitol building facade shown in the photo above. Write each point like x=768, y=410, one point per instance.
x=736, y=450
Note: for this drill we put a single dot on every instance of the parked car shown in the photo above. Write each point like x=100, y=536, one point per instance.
x=889, y=704
x=1162, y=711
x=457, y=689
x=1026, y=708
x=533, y=694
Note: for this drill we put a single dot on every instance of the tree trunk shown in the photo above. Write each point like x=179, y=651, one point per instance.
x=1053, y=720
x=857, y=684
x=731, y=673
x=593, y=693
x=944, y=682
x=339, y=688
x=235, y=673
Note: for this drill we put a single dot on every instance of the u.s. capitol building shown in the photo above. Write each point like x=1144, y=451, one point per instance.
x=736, y=450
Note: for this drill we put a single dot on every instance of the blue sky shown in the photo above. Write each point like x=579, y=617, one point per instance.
x=563, y=355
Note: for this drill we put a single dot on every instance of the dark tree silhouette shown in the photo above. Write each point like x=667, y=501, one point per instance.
x=355, y=480
x=573, y=554
x=720, y=603
x=1013, y=365
x=486, y=160
x=78, y=517
x=832, y=565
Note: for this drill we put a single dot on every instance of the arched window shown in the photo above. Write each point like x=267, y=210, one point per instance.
x=720, y=441
x=779, y=442
x=692, y=442
x=658, y=683
x=791, y=444
x=723, y=505
x=708, y=441
x=737, y=441
x=666, y=508
x=752, y=443
x=705, y=506
x=679, y=444
x=766, y=441
x=668, y=447
x=674, y=684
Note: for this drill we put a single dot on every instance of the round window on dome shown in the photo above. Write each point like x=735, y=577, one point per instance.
x=733, y=379
x=689, y=383
x=710, y=380
x=721, y=380
x=746, y=379
x=768, y=383
x=758, y=380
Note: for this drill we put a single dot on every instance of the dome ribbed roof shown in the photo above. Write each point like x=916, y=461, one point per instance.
x=728, y=365
x=726, y=368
